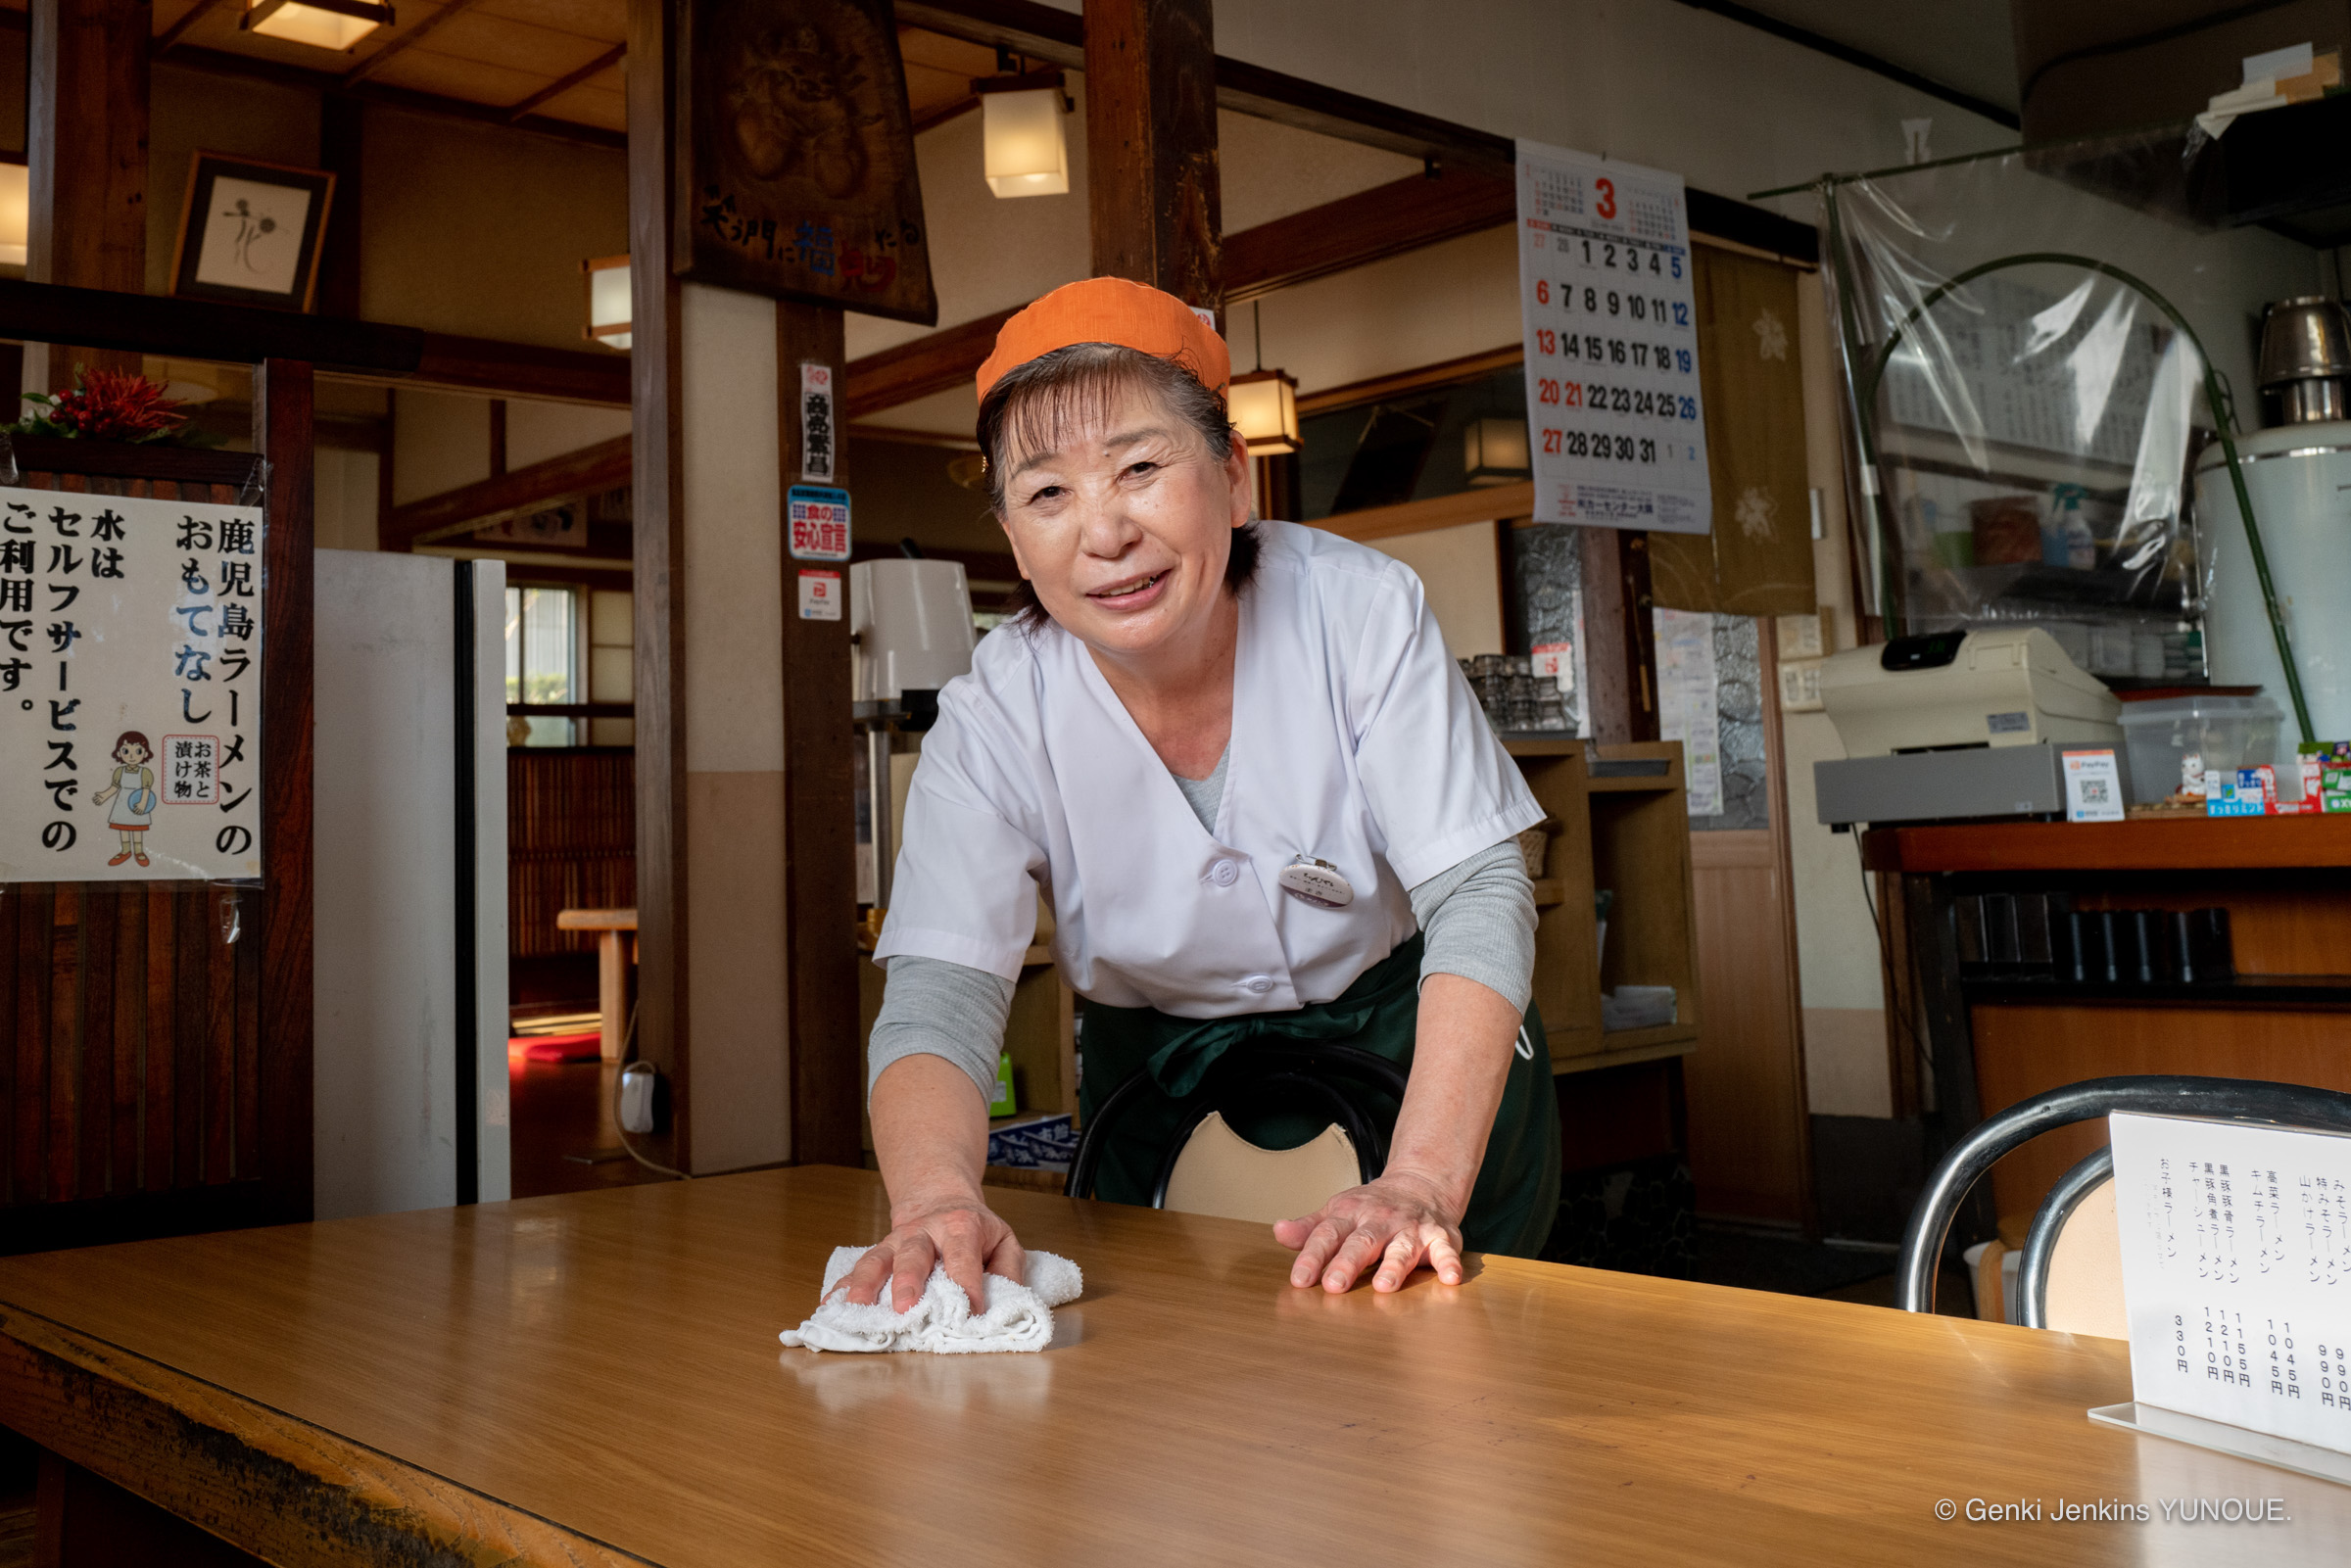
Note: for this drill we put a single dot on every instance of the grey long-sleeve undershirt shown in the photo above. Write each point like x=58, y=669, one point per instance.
x=1477, y=921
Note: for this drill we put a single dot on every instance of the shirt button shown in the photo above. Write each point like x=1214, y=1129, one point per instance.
x=1260, y=984
x=1224, y=874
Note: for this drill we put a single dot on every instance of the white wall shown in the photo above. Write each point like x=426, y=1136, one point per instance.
x=344, y=486
x=740, y=1079
x=1461, y=571
x=384, y=1086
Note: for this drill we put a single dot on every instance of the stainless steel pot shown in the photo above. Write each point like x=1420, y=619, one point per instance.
x=2305, y=339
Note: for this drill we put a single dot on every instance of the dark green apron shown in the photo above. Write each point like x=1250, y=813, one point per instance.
x=1518, y=1193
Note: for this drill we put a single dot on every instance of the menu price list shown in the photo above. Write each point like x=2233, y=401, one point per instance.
x=2237, y=1272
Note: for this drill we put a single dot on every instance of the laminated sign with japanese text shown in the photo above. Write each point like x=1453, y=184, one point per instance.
x=2236, y=1271
x=130, y=688
x=1615, y=421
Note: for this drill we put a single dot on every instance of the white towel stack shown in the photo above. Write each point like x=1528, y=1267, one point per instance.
x=1018, y=1316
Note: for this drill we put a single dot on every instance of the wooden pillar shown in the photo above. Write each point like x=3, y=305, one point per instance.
x=741, y=948
x=86, y=145
x=342, y=145
x=820, y=832
x=283, y=405
x=1620, y=650
x=657, y=517
x=1152, y=189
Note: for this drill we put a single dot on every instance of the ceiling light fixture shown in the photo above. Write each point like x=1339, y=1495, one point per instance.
x=322, y=23
x=608, y=300
x=1025, y=145
x=1264, y=403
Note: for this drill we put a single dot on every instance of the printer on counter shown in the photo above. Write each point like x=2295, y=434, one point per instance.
x=1958, y=725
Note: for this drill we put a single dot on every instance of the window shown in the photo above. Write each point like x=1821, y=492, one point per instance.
x=542, y=662
x=1411, y=446
x=611, y=671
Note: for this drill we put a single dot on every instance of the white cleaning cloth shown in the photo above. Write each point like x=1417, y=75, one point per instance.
x=1018, y=1316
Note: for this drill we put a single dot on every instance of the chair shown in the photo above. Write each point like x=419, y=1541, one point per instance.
x=2078, y=1265
x=1210, y=1169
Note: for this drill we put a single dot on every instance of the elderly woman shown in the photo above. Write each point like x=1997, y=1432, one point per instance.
x=1194, y=705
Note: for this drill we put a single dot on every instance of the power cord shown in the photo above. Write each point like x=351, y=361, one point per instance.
x=1920, y=1050
x=627, y=1039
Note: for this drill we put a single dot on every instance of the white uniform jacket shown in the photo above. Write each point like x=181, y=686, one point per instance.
x=1355, y=741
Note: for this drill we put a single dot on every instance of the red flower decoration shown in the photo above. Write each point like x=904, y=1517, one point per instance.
x=115, y=406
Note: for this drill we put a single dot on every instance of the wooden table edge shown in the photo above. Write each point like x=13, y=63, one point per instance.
x=264, y=1481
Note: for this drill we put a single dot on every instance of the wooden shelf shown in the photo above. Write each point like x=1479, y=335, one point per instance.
x=2177, y=843
x=1614, y=1042
x=1593, y=1061
x=1628, y=830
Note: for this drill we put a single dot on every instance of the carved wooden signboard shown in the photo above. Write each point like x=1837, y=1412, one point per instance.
x=799, y=156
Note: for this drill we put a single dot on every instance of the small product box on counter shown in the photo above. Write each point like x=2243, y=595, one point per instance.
x=2326, y=775
x=2242, y=793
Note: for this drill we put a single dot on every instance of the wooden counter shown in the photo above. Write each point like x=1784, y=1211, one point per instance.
x=594, y=1378
x=1996, y=1039
x=2152, y=844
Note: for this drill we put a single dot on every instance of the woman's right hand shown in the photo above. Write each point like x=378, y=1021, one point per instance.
x=961, y=1231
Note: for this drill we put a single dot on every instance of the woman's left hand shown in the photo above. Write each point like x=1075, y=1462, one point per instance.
x=1401, y=1221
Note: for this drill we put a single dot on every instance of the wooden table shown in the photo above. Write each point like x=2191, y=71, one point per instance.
x=594, y=1378
x=611, y=970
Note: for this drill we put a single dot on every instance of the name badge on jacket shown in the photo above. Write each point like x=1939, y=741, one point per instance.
x=1315, y=882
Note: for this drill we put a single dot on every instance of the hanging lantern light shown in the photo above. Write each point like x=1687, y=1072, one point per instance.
x=16, y=212
x=608, y=300
x=1494, y=451
x=1025, y=144
x=322, y=23
x=1263, y=404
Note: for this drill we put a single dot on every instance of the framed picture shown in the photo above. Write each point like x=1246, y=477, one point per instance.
x=250, y=232
x=798, y=153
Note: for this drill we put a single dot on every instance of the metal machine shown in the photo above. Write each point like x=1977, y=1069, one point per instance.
x=1958, y=723
x=910, y=633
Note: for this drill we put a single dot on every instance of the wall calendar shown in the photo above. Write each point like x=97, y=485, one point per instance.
x=1615, y=417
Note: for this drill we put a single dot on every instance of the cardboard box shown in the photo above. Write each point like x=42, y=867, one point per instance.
x=2089, y=66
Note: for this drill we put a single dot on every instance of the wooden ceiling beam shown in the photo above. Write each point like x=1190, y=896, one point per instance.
x=1350, y=232
x=1369, y=227
x=585, y=472
x=250, y=67
x=178, y=29
x=1043, y=33
x=1023, y=27
x=566, y=83
x=927, y=365
x=400, y=42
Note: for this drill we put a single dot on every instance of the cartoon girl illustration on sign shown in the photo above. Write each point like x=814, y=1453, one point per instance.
x=133, y=790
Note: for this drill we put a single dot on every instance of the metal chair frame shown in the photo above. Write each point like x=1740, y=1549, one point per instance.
x=1308, y=1072
x=2289, y=1104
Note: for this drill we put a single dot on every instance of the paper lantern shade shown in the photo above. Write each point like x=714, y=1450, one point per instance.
x=1263, y=404
x=1494, y=451
x=1024, y=143
x=608, y=300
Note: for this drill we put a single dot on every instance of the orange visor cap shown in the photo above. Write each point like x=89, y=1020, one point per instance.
x=1111, y=310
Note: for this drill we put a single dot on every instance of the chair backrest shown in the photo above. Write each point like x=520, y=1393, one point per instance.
x=1218, y=1171
x=2290, y=1104
x=2075, y=1284
x=1229, y=1175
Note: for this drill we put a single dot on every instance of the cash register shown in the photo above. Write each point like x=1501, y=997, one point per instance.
x=1960, y=724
